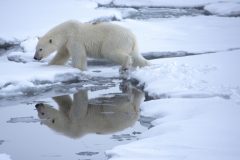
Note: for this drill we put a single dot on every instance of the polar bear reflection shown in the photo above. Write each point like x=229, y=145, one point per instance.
x=78, y=117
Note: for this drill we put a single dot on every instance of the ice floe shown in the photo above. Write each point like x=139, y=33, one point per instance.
x=223, y=9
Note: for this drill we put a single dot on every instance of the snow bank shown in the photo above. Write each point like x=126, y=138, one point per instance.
x=197, y=113
x=223, y=9
x=21, y=78
x=210, y=75
x=186, y=129
x=28, y=47
x=24, y=57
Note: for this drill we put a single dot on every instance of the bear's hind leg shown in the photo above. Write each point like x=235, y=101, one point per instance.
x=120, y=58
x=127, y=62
x=61, y=57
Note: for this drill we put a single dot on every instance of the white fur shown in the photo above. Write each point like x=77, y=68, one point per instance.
x=78, y=117
x=99, y=40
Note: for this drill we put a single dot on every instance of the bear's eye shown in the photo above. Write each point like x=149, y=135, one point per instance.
x=53, y=121
x=42, y=113
x=40, y=49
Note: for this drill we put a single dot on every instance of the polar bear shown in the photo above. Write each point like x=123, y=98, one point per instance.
x=98, y=40
x=79, y=116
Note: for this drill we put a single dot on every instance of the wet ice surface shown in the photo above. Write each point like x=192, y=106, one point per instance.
x=123, y=137
x=80, y=135
x=24, y=120
x=86, y=153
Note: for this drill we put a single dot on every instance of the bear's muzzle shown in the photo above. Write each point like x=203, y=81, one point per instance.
x=37, y=56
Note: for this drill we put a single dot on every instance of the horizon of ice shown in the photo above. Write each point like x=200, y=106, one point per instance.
x=15, y=32
x=163, y=3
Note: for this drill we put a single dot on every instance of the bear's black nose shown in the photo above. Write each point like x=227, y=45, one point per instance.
x=38, y=105
x=35, y=58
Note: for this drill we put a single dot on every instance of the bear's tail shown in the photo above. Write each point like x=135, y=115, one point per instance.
x=137, y=59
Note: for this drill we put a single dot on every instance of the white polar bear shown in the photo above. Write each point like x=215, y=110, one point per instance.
x=97, y=40
x=80, y=116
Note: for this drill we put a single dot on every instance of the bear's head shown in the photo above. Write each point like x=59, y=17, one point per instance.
x=44, y=48
x=57, y=120
x=47, y=112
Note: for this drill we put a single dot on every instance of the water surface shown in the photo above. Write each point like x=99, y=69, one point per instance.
x=74, y=126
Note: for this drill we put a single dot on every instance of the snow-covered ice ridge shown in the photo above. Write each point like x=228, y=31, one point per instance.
x=20, y=78
x=182, y=78
x=162, y=3
x=198, y=111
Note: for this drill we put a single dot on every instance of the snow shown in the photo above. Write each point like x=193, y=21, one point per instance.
x=223, y=9
x=183, y=77
x=4, y=156
x=103, y=2
x=19, y=77
x=195, y=35
x=28, y=19
x=196, y=116
x=28, y=47
x=196, y=109
x=197, y=113
x=169, y=3
x=186, y=129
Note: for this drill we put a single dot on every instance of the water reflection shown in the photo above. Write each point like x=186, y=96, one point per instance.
x=78, y=116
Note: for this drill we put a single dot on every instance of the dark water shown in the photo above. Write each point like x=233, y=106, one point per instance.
x=72, y=126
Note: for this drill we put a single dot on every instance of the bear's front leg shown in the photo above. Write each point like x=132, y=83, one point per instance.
x=80, y=62
x=64, y=103
x=79, y=57
x=61, y=57
x=80, y=103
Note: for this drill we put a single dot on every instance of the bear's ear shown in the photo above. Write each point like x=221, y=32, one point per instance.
x=50, y=40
